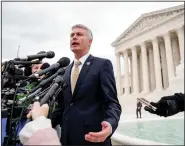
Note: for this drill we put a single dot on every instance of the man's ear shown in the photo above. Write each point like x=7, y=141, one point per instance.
x=90, y=42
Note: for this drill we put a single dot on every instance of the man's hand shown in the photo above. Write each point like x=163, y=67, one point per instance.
x=38, y=111
x=100, y=136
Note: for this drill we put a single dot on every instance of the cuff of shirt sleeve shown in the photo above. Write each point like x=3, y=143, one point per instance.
x=110, y=127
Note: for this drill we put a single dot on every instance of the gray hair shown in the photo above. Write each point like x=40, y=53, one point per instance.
x=90, y=35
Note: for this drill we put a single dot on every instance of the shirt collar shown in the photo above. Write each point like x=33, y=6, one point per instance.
x=83, y=59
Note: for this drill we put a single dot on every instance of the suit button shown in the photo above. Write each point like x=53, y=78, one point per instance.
x=71, y=104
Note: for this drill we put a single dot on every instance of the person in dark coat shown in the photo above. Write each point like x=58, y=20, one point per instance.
x=89, y=108
x=138, y=109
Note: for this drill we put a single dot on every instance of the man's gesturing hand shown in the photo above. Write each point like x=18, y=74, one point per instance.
x=100, y=136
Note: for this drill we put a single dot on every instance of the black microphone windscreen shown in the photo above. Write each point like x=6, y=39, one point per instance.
x=44, y=66
x=64, y=61
x=41, y=52
x=50, y=54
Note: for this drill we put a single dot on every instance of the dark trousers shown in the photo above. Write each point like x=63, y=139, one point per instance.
x=138, y=111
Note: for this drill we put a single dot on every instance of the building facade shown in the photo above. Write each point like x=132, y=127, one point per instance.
x=151, y=48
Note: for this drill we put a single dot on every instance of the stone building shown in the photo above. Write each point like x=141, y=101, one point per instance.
x=152, y=49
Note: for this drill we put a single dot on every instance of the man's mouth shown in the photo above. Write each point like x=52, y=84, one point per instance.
x=75, y=44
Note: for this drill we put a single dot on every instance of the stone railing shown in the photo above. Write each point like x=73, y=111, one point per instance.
x=119, y=139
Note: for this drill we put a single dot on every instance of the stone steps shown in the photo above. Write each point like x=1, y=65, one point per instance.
x=128, y=102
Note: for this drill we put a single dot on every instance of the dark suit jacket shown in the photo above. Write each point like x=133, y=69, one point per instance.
x=139, y=105
x=94, y=100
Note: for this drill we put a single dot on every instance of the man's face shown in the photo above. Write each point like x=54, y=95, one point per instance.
x=35, y=68
x=79, y=40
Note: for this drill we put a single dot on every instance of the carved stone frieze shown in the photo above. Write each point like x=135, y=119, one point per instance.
x=147, y=21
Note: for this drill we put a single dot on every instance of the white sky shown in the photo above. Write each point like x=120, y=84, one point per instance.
x=46, y=26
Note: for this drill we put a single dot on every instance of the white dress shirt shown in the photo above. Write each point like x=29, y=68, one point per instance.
x=82, y=60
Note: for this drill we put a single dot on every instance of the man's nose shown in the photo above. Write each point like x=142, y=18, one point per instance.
x=74, y=36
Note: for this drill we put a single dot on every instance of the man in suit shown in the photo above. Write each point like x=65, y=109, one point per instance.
x=89, y=110
x=138, y=109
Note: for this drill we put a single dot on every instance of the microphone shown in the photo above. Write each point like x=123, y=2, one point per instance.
x=26, y=62
x=21, y=77
x=63, y=62
x=45, y=65
x=27, y=98
x=49, y=54
x=44, y=82
x=58, y=81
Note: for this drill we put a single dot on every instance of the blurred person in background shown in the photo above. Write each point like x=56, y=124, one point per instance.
x=138, y=109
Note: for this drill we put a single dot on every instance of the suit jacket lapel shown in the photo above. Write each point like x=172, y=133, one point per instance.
x=67, y=79
x=83, y=73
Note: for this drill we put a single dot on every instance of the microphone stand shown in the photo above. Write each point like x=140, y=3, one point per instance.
x=15, y=115
x=11, y=124
x=53, y=103
x=54, y=98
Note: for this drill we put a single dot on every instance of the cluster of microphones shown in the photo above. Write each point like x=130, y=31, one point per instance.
x=21, y=87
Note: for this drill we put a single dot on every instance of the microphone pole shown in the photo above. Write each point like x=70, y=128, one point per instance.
x=52, y=104
x=31, y=95
x=63, y=62
x=26, y=62
x=61, y=71
x=58, y=82
x=39, y=56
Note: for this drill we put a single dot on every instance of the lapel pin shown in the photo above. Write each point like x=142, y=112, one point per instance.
x=88, y=63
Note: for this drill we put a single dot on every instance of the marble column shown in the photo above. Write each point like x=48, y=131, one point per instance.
x=157, y=64
x=169, y=56
x=151, y=69
x=135, y=71
x=131, y=74
x=175, y=52
x=164, y=65
x=180, y=34
x=126, y=72
x=140, y=72
x=145, y=68
x=118, y=78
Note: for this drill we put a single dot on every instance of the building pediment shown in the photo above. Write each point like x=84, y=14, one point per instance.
x=149, y=20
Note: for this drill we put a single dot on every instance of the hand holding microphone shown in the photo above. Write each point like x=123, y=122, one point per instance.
x=39, y=131
x=38, y=111
x=162, y=108
x=168, y=105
